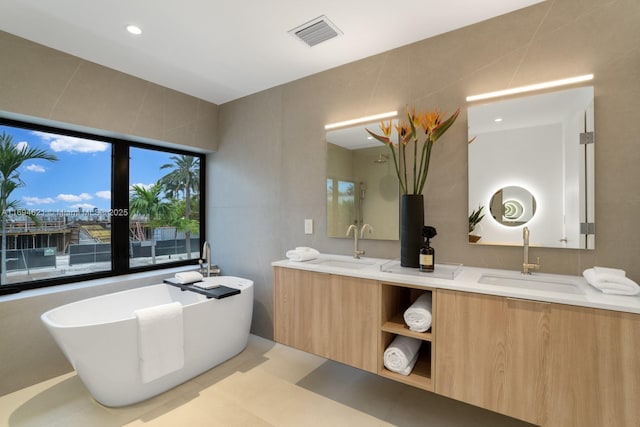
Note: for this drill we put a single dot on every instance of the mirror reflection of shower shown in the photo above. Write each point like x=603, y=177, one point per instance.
x=374, y=196
x=382, y=158
x=363, y=193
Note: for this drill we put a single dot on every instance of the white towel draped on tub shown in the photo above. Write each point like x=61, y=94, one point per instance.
x=402, y=354
x=302, y=253
x=160, y=340
x=418, y=315
x=611, y=281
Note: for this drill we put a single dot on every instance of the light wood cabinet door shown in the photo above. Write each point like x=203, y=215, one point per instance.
x=493, y=352
x=356, y=327
x=333, y=316
x=595, y=368
x=302, y=316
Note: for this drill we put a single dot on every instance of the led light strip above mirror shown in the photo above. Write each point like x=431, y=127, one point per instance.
x=530, y=88
x=361, y=120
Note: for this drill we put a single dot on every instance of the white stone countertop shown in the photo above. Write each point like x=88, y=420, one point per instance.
x=467, y=279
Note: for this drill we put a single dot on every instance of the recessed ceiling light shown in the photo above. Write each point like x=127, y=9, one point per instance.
x=498, y=119
x=134, y=29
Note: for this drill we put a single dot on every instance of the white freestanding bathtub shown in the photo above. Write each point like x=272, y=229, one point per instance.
x=99, y=336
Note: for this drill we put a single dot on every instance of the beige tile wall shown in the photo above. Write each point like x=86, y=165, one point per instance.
x=268, y=174
x=44, y=83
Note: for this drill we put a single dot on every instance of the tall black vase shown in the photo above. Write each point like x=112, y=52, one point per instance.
x=411, y=223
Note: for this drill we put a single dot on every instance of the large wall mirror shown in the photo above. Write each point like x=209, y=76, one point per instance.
x=361, y=184
x=531, y=163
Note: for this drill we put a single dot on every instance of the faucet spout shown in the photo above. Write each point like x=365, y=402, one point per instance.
x=526, y=265
x=356, y=251
x=365, y=227
x=206, y=255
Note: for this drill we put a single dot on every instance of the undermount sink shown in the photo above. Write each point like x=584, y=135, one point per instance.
x=344, y=263
x=532, y=282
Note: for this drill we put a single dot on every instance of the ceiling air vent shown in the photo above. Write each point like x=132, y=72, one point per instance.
x=316, y=31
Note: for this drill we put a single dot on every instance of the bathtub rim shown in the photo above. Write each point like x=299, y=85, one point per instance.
x=45, y=317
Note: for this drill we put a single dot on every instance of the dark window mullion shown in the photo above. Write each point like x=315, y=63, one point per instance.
x=120, y=208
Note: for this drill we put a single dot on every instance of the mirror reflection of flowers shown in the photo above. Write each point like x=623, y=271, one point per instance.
x=422, y=130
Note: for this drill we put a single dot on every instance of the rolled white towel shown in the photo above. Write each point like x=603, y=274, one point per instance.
x=402, y=354
x=188, y=277
x=302, y=253
x=611, y=283
x=418, y=316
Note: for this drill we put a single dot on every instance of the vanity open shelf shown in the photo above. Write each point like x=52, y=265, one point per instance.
x=394, y=300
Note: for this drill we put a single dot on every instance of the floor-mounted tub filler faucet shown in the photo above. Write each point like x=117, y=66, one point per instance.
x=206, y=257
x=208, y=270
x=526, y=266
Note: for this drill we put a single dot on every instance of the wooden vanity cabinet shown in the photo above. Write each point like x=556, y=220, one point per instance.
x=329, y=315
x=548, y=364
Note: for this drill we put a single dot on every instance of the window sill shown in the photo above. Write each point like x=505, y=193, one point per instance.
x=107, y=281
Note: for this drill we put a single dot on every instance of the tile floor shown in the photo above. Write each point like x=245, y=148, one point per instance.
x=266, y=385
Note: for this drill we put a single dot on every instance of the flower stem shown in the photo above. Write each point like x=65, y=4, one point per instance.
x=427, y=157
x=395, y=163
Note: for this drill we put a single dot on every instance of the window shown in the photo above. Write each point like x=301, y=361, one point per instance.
x=164, y=207
x=77, y=206
x=341, y=206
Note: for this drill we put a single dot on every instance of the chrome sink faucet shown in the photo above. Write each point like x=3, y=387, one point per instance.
x=356, y=251
x=526, y=266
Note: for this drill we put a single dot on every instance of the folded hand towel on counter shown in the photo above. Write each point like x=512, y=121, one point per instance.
x=402, y=354
x=611, y=281
x=607, y=270
x=302, y=253
x=187, y=277
x=418, y=316
x=160, y=340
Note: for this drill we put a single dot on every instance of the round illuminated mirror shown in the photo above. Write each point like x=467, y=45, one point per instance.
x=512, y=206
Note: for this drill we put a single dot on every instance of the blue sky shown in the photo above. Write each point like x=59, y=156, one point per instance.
x=81, y=178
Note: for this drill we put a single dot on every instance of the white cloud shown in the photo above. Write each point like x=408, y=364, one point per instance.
x=104, y=194
x=31, y=201
x=72, y=144
x=74, y=197
x=145, y=186
x=35, y=168
x=22, y=145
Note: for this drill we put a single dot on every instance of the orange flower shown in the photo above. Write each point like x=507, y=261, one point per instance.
x=430, y=121
x=404, y=132
x=414, y=117
x=434, y=127
x=386, y=130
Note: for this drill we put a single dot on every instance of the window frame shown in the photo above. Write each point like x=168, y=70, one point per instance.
x=120, y=187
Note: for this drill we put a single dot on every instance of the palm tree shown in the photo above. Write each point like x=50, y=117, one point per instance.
x=11, y=158
x=148, y=202
x=184, y=178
